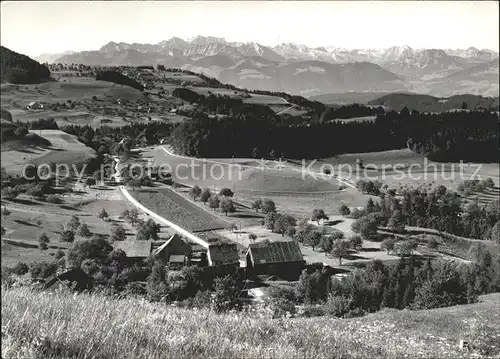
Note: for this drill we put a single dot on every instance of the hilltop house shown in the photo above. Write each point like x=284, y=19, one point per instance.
x=282, y=259
x=33, y=105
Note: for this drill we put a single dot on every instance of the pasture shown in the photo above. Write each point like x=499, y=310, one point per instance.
x=242, y=175
x=79, y=89
x=30, y=218
x=265, y=100
x=402, y=168
x=64, y=149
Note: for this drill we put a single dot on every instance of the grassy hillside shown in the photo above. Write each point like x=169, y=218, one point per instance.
x=57, y=325
x=20, y=69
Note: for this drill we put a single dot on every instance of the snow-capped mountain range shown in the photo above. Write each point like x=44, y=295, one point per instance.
x=253, y=64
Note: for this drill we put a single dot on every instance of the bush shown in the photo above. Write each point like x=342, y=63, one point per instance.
x=344, y=210
x=43, y=269
x=68, y=236
x=83, y=231
x=53, y=198
x=337, y=306
x=20, y=268
x=103, y=214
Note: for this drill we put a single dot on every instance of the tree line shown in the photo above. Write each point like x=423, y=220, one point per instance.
x=471, y=136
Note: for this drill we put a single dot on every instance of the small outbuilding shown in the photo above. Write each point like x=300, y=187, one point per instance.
x=74, y=278
x=282, y=259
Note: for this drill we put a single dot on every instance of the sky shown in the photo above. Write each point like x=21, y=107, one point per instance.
x=40, y=27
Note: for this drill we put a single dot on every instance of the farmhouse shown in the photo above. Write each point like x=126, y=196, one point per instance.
x=282, y=259
x=34, y=105
x=173, y=249
x=135, y=250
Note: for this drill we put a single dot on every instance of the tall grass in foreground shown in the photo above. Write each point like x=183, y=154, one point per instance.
x=65, y=325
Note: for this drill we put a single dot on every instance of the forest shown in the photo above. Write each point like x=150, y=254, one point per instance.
x=449, y=136
x=118, y=78
x=20, y=69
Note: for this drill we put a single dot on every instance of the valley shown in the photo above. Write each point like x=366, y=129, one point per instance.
x=244, y=191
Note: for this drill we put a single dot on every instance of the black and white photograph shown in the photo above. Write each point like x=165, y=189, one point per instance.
x=250, y=179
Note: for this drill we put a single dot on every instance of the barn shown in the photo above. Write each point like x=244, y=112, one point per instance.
x=174, y=251
x=282, y=259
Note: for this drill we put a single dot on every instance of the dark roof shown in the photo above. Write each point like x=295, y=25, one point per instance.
x=134, y=248
x=222, y=253
x=274, y=252
x=75, y=275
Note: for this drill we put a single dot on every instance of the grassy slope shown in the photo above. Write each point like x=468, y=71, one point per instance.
x=59, y=323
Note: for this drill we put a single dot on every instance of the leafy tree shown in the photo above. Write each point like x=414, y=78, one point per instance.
x=118, y=234
x=103, y=214
x=43, y=241
x=205, y=195
x=195, y=192
x=340, y=250
x=397, y=222
x=252, y=237
x=96, y=248
x=43, y=269
x=20, y=268
x=73, y=223
x=5, y=212
x=227, y=205
x=268, y=206
x=59, y=254
x=148, y=230
x=257, y=204
x=313, y=239
x=370, y=206
x=226, y=294
x=318, y=214
x=2, y=231
x=356, y=242
x=83, y=230
x=406, y=247
x=284, y=223
x=326, y=244
x=226, y=192
x=388, y=244
x=133, y=216
x=68, y=236
x=344, y=210
x=214, y=202
x=270, y=220
x=367, y=225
